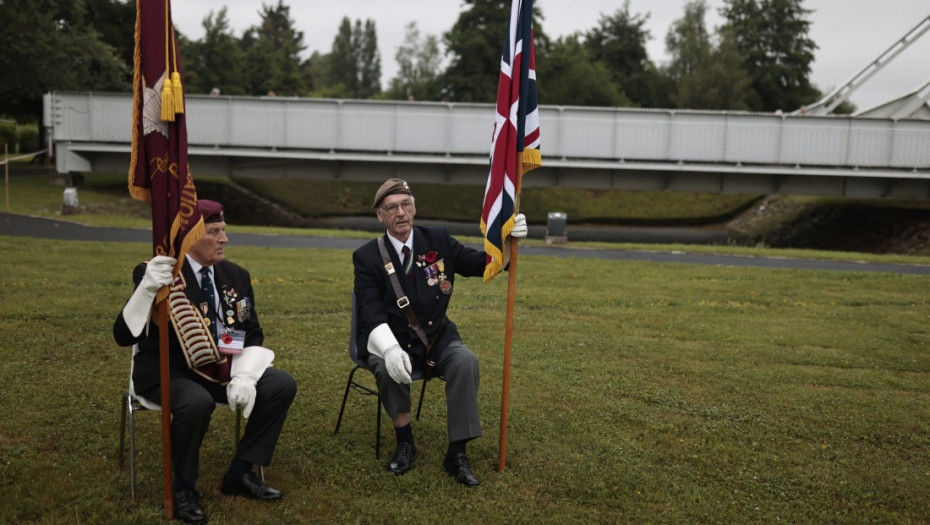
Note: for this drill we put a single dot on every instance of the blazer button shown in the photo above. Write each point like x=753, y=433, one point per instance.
x=409, y=346
x=429, y=323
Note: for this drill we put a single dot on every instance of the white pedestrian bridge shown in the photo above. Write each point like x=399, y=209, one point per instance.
x=582, y=147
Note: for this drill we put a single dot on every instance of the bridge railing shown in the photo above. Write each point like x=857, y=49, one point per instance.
x=609, y=135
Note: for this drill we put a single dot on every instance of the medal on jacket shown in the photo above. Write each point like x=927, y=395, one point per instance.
x=434, y=273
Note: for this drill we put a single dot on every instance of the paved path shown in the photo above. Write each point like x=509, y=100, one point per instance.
x=27, y=226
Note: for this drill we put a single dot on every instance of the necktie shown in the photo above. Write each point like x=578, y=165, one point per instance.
x=408, y=264
x=206, y=284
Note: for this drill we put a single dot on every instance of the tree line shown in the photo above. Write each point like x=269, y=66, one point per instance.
x=759, y=59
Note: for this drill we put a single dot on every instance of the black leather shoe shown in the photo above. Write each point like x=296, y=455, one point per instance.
x=457, y=467
x=187, y=507
x=248, y=485
x=403, y=458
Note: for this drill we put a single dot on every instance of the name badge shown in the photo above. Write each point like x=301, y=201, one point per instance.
x=232, y=342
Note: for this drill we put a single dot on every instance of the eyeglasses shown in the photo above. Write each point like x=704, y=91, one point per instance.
x=391, y=209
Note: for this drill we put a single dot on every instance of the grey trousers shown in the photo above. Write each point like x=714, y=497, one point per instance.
x=458, y=366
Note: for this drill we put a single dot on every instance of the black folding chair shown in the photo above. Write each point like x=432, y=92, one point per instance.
x=352, y=383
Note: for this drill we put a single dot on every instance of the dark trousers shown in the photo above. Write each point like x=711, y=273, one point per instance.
x=192, y=405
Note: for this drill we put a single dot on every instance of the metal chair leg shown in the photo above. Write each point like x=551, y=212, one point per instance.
x=378, y=430
x=129, y=409
x=132, y=449
x=351, y=383
x=345, y=397
x=238, y=422
x=420, y=403
x=261, y=469
x=122, y=429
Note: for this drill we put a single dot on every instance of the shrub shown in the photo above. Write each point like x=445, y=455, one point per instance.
x=28, y=138
x=8, y=135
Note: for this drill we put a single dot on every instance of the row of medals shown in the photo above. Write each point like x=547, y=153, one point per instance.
x=435, y=275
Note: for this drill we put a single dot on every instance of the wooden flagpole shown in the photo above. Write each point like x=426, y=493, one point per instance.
x=165, y=408
x=6, y=171
x=508, y=329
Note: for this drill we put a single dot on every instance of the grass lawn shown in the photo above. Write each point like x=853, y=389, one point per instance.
x=640, y=392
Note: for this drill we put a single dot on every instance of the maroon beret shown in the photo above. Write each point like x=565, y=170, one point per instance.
x=211, y=211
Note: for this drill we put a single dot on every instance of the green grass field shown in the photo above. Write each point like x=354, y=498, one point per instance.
x=640, y=392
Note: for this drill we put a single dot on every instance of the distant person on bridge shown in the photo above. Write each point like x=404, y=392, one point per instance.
x=215, y=299
x=403, y=284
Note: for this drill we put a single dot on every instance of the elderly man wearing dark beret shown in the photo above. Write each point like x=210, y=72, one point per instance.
x=215, y=356
x=403, y=283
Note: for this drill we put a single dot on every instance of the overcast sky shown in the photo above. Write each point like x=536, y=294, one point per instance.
x=850, y=34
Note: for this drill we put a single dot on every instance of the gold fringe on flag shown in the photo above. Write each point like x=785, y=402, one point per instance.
x=532, y=159
x=190, y=238
x=138, y=193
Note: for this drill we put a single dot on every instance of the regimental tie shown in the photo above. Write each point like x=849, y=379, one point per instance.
x=408, y=264
x=206, y=284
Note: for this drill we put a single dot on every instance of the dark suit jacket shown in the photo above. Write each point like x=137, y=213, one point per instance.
x=377, y=303
x=230, y=279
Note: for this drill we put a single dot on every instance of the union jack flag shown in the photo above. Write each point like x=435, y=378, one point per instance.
x=516, y=130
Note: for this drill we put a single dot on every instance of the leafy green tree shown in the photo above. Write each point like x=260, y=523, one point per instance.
x=367, y=59
x=115, y=23
x=573, y=78
x=354, y=65
x=705, y=76
x=313, y=73
x=619, y=42
x=419, y=59
x=50, y=45
x=342, y=69
x=772, y=36
x=216, y=61
x=720, y=83
x=688, y=42
x=272, y=49
x=474, y=46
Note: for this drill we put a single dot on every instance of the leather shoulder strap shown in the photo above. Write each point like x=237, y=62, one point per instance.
x=402, y=301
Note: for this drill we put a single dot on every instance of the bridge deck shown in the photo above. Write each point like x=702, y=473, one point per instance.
x=596, y=148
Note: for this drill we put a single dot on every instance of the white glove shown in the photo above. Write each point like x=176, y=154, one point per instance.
x=382, y=343
x=519, y=226
x=241, y=393
x=246, y=369
x=158, y=273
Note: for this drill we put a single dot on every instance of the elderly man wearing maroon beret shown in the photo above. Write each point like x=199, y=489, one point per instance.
x=215, y=356
x=403, y=284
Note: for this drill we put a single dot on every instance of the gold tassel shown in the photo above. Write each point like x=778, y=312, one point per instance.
x=178, y=91
x=167, y=101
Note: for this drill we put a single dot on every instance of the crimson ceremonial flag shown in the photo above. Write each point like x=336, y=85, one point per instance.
x=515, y=136
x=158, y=169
